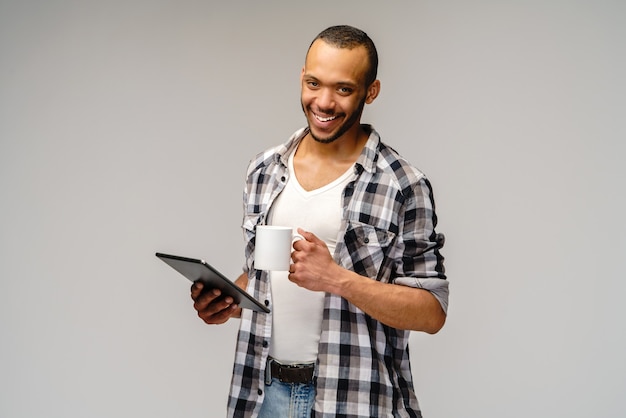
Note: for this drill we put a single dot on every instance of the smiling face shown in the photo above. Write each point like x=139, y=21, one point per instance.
x=334, y=91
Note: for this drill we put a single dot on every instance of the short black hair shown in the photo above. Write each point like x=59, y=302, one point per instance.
x=344, y=36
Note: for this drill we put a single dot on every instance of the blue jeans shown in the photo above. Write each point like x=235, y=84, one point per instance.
x=287, y=400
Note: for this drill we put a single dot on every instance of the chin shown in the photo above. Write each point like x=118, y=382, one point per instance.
x=323, y=139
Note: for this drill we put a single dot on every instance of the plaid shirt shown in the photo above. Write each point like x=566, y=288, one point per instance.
x=388, y=234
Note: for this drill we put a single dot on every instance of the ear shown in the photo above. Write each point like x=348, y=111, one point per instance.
x=372, y=91
x=301, y=74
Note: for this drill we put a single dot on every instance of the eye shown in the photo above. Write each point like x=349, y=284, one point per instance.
x=312, y=84
x=345, y=90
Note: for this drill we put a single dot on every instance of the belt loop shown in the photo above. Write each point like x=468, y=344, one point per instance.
x=268, y=371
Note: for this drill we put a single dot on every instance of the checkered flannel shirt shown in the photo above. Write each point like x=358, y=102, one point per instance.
x=387, y=234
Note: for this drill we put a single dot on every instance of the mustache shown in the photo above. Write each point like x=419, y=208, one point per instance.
x=324, y=112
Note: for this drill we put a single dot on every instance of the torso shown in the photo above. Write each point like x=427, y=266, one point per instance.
x=297, y=312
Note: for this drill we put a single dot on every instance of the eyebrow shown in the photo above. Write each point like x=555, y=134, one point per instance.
x=338, y=83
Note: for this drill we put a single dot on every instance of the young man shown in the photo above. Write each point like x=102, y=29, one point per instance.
x=368, y=271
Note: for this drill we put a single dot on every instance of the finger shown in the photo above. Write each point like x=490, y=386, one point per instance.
x=214, y=309
x=309, y=236
x=219, y=317
x=307, y=239
x=211, y=297
x=196, y=289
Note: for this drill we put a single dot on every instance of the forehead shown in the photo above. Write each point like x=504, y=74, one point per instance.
x=328, y=62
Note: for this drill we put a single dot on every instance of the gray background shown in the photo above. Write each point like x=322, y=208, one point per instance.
x=126, y=127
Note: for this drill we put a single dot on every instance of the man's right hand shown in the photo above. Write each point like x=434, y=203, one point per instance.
x=211, y=306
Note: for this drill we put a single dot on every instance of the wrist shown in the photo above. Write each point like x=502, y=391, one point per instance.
x=342, y=281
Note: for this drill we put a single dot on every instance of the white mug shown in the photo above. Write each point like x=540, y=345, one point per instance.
x=272, y=248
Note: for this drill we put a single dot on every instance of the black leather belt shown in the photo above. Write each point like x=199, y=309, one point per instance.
x=291, y=373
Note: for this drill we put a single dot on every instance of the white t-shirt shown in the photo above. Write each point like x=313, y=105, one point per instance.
x=297, y=312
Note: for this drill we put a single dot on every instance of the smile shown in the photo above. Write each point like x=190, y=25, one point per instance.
x=321, y=119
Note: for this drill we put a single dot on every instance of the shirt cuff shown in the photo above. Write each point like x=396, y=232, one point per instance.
x=438, y=288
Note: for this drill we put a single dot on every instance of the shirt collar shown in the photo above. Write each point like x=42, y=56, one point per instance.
x=369, y=156
x=366, y=161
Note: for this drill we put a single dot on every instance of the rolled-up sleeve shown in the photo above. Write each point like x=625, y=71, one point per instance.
x=421, y=264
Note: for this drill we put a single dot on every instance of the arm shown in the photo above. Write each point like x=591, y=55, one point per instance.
x=397, y=306
x=211, y=307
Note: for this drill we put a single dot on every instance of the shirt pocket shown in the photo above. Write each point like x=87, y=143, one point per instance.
x=368, y=247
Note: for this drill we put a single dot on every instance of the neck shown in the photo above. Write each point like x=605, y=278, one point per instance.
x=347, y=146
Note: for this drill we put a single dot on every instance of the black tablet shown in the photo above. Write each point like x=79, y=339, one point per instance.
x=194, y=270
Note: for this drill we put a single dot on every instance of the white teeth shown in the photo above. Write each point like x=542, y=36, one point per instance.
x=321, y=119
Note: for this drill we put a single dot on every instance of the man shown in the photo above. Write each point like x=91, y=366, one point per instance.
x=368, y=271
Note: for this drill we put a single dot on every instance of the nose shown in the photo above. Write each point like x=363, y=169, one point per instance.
x=326, y=100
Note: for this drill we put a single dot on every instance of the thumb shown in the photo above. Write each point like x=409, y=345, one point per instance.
x=309, y=236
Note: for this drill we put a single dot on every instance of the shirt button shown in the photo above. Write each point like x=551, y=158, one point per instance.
x=260, y=392
x=283, y=178
x=264, y=343
x=267, y=302
x=366, y=240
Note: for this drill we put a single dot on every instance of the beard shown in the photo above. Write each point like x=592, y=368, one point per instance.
x=342, y=129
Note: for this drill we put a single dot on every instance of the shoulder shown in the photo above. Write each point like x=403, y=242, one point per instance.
x=275, y=154
x=403, y=173
x=263, y=159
